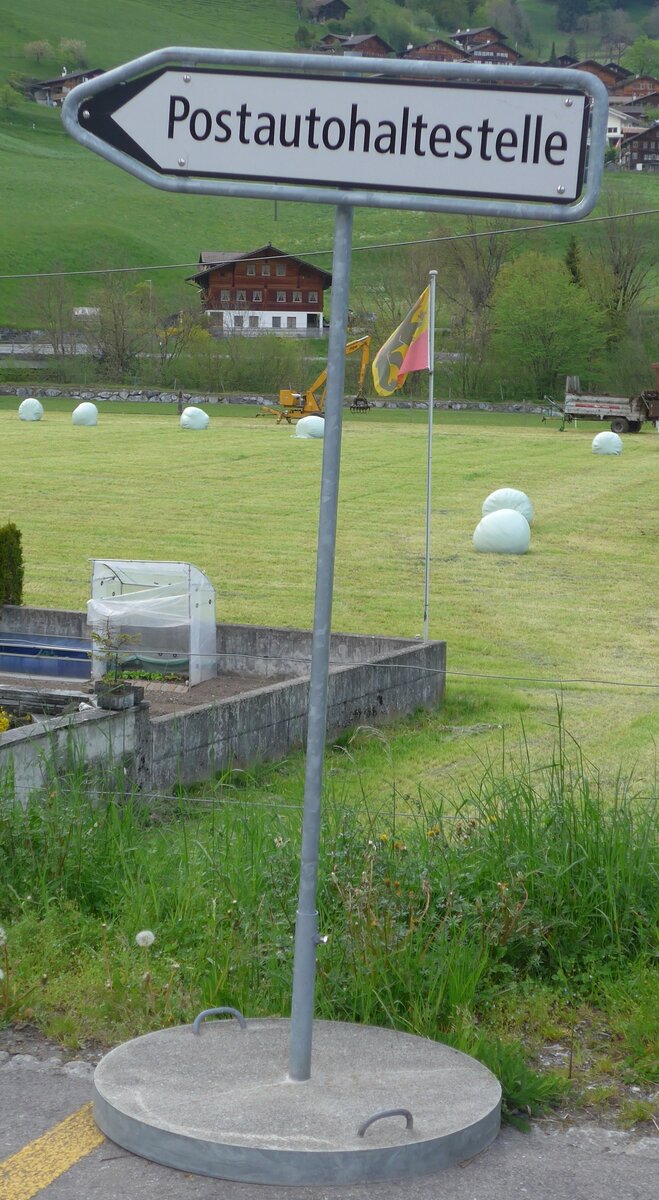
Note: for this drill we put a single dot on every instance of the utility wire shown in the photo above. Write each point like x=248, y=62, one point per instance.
x=400, y=666
x=449, y=237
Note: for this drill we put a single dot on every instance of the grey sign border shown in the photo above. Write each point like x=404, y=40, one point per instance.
x=563, y=80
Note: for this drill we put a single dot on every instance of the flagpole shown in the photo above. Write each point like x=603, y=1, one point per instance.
x=431, y=401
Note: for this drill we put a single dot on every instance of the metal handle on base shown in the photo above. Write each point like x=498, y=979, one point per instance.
x=387, y=1112
x=213, y=1012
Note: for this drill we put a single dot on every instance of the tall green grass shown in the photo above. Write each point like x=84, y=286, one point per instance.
x=539, y=875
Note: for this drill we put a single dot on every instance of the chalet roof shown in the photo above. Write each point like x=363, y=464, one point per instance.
x=209, y=260
x=461, y=34
x=648, y=99
x=616, y=68
x=356, y=39
x=633, y=137
x=91, y=71
x=436, y=42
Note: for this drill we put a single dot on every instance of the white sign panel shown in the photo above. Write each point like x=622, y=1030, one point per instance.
x=368, y=133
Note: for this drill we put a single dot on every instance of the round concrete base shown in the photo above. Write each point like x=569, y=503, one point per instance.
x=221, y=1103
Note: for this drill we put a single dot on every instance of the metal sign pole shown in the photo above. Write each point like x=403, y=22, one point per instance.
x=306, y=926
x=431, y=405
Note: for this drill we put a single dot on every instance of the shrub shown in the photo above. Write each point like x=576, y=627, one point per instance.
x=11, y=565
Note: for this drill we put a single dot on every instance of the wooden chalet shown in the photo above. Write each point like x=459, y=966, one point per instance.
x=607, y=76
x=640, y=152
x=438, y=50
x=261, y=291
x=324, y=10
x=621, y=73
x=637, y=86
x=362, y=45
x=51, y=92
x=469, y=39
x=496, y=53
x=620, y=125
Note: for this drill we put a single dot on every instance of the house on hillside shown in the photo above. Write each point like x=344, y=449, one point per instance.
x=640, y=152
x=362, y=45
x=496, y=53
x=638, y=106
x=469, y=39
x=636, y=87
x=261, y=291
x=438, y=50
x=324, y=10
x=52, y=91
x=621, y=125
x=621, y=73
x=607, y=76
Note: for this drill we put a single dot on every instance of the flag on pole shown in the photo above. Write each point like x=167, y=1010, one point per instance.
x=407, y=349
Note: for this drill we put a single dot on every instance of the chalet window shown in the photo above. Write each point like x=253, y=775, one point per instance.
x=281, y=297
x=251, y=269
x=280, y=268
x=291, y=323
x=313, y=297
x=253, y=322
x=265, y=268
x=258, y=296
x=276, y=322
x=237, y=322
x=241, y=296
x=225, y=294
x=297, y=297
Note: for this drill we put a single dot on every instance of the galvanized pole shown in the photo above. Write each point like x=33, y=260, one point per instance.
x=306, y=926
x=431, y=404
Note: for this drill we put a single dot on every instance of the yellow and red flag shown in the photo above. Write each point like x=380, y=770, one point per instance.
x=407, y=349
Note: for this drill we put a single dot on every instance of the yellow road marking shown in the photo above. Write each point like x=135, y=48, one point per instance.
x=46, y=1158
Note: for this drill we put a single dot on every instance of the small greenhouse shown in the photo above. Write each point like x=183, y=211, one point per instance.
x=153, y=617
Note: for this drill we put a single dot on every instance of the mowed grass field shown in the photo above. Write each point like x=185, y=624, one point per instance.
x=575, y=619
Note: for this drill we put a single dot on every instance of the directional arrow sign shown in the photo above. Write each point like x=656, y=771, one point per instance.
x=380, y=134
x=415, y=135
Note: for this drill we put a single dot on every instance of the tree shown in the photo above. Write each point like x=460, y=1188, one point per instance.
x=8, y=98
x=114, y=328
x=642, y=57
x=573, y=261
x=73, y=51
x=470, y=266
x=620, y=266
x=543, y=326
x=38, y=50
x=618, y=32
x=49, y=301
x=166, y=335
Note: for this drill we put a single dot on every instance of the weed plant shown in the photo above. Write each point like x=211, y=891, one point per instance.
x=536, y=878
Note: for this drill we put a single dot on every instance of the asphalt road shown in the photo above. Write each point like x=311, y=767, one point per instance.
x=37, y=1094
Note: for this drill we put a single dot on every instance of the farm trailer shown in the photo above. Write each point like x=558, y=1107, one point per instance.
x=626, y=414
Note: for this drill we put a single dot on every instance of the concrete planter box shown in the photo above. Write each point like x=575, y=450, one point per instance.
x=372, y=680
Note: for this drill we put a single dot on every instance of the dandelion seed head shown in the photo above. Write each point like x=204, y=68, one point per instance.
x=3, y=936
x=145, y=938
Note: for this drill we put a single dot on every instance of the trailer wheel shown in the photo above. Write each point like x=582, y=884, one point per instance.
x=620, y=425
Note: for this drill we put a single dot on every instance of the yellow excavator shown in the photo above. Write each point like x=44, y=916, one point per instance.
x=293, y=405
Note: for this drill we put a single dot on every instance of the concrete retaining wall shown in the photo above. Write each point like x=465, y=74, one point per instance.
x=372, y=679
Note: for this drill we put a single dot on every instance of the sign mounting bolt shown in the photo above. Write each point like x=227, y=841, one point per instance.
x=181, y=163
x=568, y=102
x=187, y=78
x=560, y=189
x=85, y=113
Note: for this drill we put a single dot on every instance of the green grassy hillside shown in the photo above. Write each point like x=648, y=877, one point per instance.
x=67, y=209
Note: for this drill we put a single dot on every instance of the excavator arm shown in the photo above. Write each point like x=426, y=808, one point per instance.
x=293, y=405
